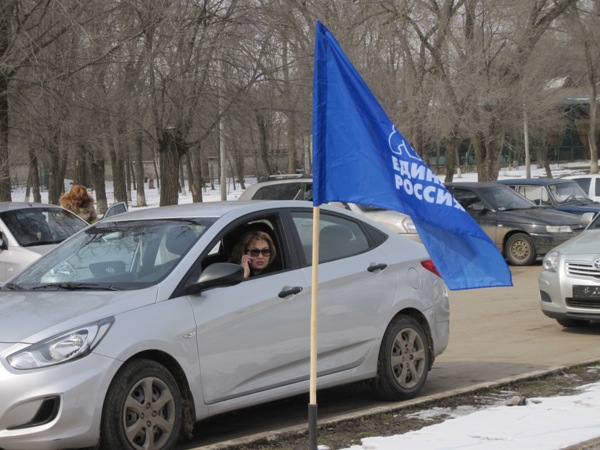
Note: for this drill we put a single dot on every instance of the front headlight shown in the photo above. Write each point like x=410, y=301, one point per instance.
x=551, y=261
x=559, y=229
x=68, y=346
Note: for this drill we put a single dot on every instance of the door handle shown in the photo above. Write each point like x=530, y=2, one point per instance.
x=288, y=290
x=376, y=267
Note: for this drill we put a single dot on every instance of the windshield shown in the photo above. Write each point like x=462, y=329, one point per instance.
x=568, y=193
x=114, y=256
x=41, y=226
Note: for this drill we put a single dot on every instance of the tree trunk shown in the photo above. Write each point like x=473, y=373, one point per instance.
x=139, y=171
x=98, y=180
x=5, y=190
x=171, y=148
x=451, y=152
x=56, y=181
x=34, y=177
x=592, y=135
x=199, y=168
x=117, y=162
x=129, y=177
x=291, y=144
x=263, y=145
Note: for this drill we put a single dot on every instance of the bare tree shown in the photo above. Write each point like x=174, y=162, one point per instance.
x=584, y=32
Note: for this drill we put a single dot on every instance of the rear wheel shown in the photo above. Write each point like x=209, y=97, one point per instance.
x=142, y=410
x=520, y=250
x=404, y=360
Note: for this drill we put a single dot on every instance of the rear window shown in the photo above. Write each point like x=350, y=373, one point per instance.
x=283, y=191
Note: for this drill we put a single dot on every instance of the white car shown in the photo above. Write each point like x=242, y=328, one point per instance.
x=286, y=187
x=590, y=183
x=137, y=327
x=570, y=282
x=29, y=230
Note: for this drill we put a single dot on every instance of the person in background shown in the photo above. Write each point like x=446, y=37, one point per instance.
x=255, y=252
x=78, y=200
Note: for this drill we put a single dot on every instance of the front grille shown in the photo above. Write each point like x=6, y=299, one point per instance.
x=583, y=269
x=588, y=303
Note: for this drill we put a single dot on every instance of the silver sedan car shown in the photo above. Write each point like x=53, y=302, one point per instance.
x=137, y=327
x=570, y=282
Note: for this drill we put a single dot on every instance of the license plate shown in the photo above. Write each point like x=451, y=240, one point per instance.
x=586, y=291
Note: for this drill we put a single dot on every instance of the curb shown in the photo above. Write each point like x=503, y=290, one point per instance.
x=593, y=444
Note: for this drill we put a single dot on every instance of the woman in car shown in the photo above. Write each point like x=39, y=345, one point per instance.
x=255, y=252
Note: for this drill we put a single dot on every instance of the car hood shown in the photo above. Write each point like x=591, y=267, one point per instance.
x=40, y=249
x=28, y=317
x=543, y=216
x=580, y=208
x=582, y=244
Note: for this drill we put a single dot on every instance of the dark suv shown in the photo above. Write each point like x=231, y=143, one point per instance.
x=521, y=230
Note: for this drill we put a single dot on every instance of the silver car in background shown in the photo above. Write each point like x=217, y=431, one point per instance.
x=29, y=230
x=570, y=282
x=290, y=187
x=138, y=326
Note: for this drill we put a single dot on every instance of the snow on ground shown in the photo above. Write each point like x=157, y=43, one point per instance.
x=542, y=423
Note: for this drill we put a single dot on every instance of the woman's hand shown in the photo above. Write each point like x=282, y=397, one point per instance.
x=246, y=260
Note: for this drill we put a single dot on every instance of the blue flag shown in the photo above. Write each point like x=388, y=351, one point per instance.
x=359, y=156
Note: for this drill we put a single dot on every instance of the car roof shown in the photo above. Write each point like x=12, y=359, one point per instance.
x=474, y=184
x=535, y=181
x=11, y=206
x=284, y=181
x=582, y=175
x=206, y=209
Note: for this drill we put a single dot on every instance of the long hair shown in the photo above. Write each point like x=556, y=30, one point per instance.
x=247, y=238
x=79, y=192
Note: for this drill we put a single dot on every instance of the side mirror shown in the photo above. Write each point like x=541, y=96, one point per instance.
x=586, y=218
x=477, y=207
x=217, y=275
x=3, y=241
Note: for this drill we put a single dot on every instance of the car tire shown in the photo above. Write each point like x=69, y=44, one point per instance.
x=404, y=360
x=143, y=397
x=520, y=250
x=568, y=323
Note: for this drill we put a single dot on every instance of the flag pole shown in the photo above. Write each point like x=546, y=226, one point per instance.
x=312, y=406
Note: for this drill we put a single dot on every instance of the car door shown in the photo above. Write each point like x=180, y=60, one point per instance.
x=254, y=336
x=483, y=214
x=357, y=283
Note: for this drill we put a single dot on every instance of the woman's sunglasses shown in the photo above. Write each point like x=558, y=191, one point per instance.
x=255, y=252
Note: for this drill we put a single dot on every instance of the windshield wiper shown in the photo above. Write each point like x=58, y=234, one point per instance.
x=77, y=287
x=13, y=287
x=46, y=242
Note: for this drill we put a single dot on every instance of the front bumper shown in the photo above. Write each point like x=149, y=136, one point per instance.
x=54, y=407
x=556, y=296
x=546, y=242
